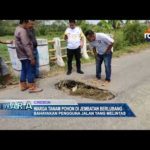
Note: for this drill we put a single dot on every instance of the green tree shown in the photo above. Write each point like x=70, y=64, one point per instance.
x=116, y=24
x=134, y=33
x=104, y=25
x=84, y=25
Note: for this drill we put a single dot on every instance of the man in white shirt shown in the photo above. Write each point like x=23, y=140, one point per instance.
x=102, y=46
x=73, y=36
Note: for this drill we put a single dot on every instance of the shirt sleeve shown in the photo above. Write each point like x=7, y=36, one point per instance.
x=108, y=40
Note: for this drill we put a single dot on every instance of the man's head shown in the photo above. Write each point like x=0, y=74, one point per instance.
x=23, y=23
x=90, y=35
x=27, y=24
x=72, y=24
x=31, y=24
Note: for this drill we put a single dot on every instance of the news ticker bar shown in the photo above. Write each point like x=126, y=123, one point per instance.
x=62, y=108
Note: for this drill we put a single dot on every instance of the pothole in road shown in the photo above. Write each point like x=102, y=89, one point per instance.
x=81, y=89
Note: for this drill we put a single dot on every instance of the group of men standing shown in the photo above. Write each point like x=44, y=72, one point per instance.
x=26, y=48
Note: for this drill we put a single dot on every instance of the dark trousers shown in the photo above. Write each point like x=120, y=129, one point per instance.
x=77, y=54
x=36, y=66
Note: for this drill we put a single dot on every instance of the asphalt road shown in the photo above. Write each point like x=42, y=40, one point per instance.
x=130, y=83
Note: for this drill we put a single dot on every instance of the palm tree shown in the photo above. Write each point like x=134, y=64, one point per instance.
x=131, y=21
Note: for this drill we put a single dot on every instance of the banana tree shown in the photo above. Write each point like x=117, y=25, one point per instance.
x=116, y=24
x=104, y=24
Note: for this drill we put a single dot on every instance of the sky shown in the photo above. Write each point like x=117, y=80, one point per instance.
x=90, y=21
x=93, y=21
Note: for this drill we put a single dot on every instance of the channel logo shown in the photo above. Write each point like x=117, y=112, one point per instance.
x=147, y=35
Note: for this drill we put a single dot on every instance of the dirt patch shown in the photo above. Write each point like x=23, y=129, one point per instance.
x=81, y=89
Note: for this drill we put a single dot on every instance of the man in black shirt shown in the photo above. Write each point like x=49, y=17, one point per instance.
x=32, y=36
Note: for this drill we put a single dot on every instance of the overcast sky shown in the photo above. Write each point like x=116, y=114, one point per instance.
x=93, y=21
x=90, y=21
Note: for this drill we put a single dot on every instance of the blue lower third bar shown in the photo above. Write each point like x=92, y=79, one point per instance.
x=46, y=109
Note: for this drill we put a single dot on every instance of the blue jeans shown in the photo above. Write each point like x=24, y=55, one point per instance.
x=107, y=62
x=36, y=66
x=26, y=72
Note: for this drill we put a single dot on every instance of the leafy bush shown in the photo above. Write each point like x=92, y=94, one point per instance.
x=41, y=30
x=119, y=40
x=7, y=27
x=134, y=33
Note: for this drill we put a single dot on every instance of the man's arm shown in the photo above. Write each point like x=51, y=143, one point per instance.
x=109, y=41
x=109, y=47
x=95, y=52
x=65, y=37
x=91, y=47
